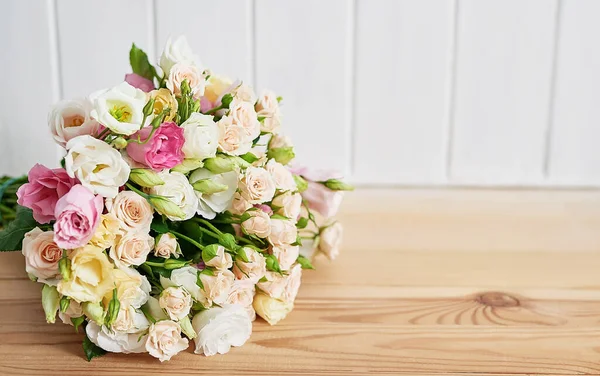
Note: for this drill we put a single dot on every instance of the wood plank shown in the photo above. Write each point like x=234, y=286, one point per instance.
x=308, y=66
x=574, y=157
x=502, y=95
x=403, y=53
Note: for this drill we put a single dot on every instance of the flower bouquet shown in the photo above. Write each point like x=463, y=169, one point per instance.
x=176, y=215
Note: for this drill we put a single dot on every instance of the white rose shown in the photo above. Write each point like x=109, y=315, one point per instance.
x=220, y=328
x=283, y=178
x=239, y=204
x=283, y=287
x=129, y=320
x=177, y=189
x=73, y=311
x=243, y=114
x=280, y=141
x=286, y=255
x=71, y=118
x=185, y=72
x=245, y=93
x=132, y=248
x=257, y=185
x=132, y=210
x=216, y=287
x=271, y=309
x=211, y=204
x=233, y=138
x=42, y=256
x=186, y=277
x=267, y=103
x=114, y=341
x=166, y=246
x=258, y=224
x=222, y=259
x=271, y=123
x=330, y=240
x=282, y=232
x=177, y=51
x=165, y=340
x=201, y=136
x=98, y=166
x=120, y=108
x=176, y=301
x=242, y=293
x=254, y=269
x=289, y=204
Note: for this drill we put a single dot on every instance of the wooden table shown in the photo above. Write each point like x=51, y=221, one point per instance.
x=429, y=282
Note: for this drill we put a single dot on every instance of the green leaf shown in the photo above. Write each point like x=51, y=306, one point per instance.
x=302, y=223
x=11, y=238
x=159, y=225
x=338, y=185
x=249, y=157
x=77, y=321
x=209, y=252
x=282, y=155
x=91, y=350
x=304, y=262
x=273, y=264
x=279, y=216
x=140, y=64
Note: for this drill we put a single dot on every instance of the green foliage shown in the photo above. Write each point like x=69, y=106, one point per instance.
x=140, y=64
x=11, y=238
x=304, y=262
x=91, y=350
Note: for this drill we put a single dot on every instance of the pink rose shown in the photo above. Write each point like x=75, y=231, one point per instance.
x=139, y=82
x=265, y=208
x=320, y=198
x=163, y=151
x=44, y=189
x=77, y=217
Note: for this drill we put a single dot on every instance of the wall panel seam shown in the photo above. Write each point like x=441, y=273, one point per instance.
x=351, y=47
x=451, y=90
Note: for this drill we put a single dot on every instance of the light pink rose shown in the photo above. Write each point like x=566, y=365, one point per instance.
x=44, y=189
x=186, y=72
x=283, y=287
x=163, y=151
x=286, y=255
x=41, y=255
x=320, y=198
x=139, y=82
x=77, y=216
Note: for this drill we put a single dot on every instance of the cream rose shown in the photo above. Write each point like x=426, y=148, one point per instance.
x=283, y=178
x=177, y=190
x=280, y=141
x=42, y=256
x=91, y=275
x=74, y=310
x=216, y=86
x=271, y=123
x=120, y=108
x=167, y=246
x=258, y=224
x=177, y=51
x=330, y=240
x=288, y=204
x=176, y=301
x=98, y=166
x=257, y=185
x=286, y=255
x=239, y=204
x=282, y=232
x=222, y=259
x=129, y=320
x=267, y=103
x=216, y=287
x=133, y=211
x=115, y=341
x=185, y=277
x=132, y=248
x=271, y=309
x=71, y=118
x=186, y=72
x=283, y=287
x=211, y=204
x=254, y=269
x=243, y=114
x=220, y=328
x=233, y=138
x=133, y=289
x=107, y=231
x=165, y=340
x=163, y=99
x=245, y=93
x=242, y=293
x=201, y=136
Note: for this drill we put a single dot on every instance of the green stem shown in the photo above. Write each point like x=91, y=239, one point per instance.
x=6, y=209
x=146, y=313
x=103, y=133
x=212, y=111
x=209, y=225
x=188, y=239
x=157, y=264
x=208, y=232
x=244, y=240
x=128, y=185
x=139, y=140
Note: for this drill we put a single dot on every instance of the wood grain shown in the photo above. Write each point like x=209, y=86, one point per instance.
x=492, y=310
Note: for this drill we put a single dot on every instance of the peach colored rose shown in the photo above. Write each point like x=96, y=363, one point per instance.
x=330, y=240
x=233, y=138
x=289, y=204
x=133, y=211
x=283, y=287
x=176, y=301
x=257, y=185
x=282, y=232
x=283, y=178
x=41, y=255
x=258, y=224
x=242, y=293
x=165, y=340
x=131, y=249
x=166, y=246
x=217, y=287
x=286, y=255
x=181, y=72
x=252, y=270
x=243, y=114
x=239, y=204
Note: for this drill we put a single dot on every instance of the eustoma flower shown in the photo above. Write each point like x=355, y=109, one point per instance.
x=162, y=151
x=220, y=328
x=77, y=216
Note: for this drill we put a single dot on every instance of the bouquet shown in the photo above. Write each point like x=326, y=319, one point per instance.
x=177, y=214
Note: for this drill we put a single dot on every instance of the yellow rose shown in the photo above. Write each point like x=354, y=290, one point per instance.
x=216, y=86
x=271, y=309
x=107, y=231
x=91, y=275
x=163, y=99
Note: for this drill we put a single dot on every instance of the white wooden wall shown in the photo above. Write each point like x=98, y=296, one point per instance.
x=393, y=92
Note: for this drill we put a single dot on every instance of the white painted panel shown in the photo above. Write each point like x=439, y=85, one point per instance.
x=302, y=54
x=27, y=93
x=403, y=57
x=575, y=143
x=218, y=31
x=504, y=65
x=95, y=39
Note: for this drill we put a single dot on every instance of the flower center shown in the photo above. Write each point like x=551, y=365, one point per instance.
x=73, y=121
x=121, y=112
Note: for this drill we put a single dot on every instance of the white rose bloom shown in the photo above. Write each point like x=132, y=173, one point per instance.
x=271, y=309
x=178, y=190
x=271, y=123
x=282, y=232
x=245, y=93
x=216, y=287
x=186, y=72
x=120, y=108
x=177, y=51
x=289, y=204
x=114, y=341
x=201, y=136
x=283, y=178
x=220, y=328
x=258, y=224
x=211, y=204
x=221, y=261
x=164, y=340
x=130, y=320
x=167, y=246
x=280, y=141
x=132, y=210
x=267, y=103
x=233, y=138
x=132, y=248
x=98, y=166
x=71, y=118
x=133, y=289
x=257, y=185
x=243, y=114
x=73, y=311
x=242, y=293
x=330, y=240
x=286, y=255
x=185, y=277
x=176, y=301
